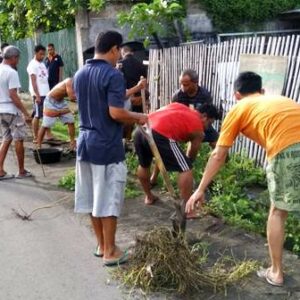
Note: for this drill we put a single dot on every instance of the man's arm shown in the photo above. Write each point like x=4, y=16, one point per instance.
x=61, y=69
x=35, y=88
x=124, y=116
x=140, y=85
x=13, y=94
x=214, y=164
x=194, y=145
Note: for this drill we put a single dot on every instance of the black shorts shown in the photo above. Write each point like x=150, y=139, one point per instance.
x=38, y=108
x=210, y=135
x=173, y=157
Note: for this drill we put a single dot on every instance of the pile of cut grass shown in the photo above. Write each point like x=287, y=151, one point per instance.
x=164, y=263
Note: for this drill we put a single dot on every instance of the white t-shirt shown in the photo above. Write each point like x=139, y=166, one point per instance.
x=9, y=79
x=40, y=71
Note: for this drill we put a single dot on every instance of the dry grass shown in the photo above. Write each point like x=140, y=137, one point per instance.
x=164, y=263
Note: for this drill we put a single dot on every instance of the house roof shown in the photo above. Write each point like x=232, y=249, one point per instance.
x=291, y=14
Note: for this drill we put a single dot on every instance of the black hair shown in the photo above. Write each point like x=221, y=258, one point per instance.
x=38, y=48
x=191, y=73
x=210, y=110
x=51, y=45
x=3, y=45
x=107, y=40
x=248, y=83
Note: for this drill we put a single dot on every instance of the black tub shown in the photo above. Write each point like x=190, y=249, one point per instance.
x=48, y=155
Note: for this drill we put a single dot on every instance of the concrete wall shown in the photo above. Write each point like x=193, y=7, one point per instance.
x=89, y=24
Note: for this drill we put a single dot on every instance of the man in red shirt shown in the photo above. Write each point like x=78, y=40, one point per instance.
x=172, y=124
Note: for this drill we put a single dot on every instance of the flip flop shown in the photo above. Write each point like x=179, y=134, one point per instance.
x=153, y=202
x=264, y=273
x=26, y=174
x=98, y=252
x=7, y=176
x=116, y=261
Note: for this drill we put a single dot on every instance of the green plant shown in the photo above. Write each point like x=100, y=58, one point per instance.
x=60, y=130
x=68, y=181
x=230, y=15
x=153, y=19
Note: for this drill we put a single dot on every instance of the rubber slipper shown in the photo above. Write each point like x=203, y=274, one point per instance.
x=153, y=184
x=155, y=199
x=7, y=176
x=98, y=252
x=116, y=261
x=26, y=174
x=264, y=273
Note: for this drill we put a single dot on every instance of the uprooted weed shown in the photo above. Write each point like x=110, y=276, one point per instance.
x=164, y=263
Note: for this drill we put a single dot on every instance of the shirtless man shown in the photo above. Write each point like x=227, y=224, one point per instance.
x=56, y=107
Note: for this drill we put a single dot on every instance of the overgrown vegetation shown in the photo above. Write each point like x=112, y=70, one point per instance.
x=230, y=194
x=172, y=266
x=231, y=198
x=233, y=15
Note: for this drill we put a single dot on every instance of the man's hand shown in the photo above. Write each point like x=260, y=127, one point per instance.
x=197, y=197
x=142, y=83
x=143, y=119
x=38, y=99
x=28, y=119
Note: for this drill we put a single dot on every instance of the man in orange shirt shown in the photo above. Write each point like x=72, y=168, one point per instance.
x=274, y=123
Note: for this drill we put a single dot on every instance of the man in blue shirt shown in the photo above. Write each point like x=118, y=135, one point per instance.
x=100, y=168
x=55, y=65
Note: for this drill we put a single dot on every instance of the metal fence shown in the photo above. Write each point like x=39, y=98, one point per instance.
x=65, y=45
x=217, y=68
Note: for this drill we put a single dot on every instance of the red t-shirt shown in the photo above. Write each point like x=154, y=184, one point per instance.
x=176, y=121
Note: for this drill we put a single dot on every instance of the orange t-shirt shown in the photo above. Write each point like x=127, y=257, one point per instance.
x=271, y=121
x=176, y=121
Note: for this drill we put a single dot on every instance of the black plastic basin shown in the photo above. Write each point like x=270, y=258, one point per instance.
x=48, y=155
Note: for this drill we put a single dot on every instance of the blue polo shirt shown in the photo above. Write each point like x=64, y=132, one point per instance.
x=98, y=86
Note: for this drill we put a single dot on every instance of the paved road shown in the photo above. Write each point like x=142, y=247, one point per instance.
x=49, y=257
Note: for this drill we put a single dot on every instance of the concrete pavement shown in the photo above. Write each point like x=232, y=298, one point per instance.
x=49, y=257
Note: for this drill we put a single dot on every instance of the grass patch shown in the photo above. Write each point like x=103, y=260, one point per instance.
x=68, y=181
x=60, y=130
x=229, y=197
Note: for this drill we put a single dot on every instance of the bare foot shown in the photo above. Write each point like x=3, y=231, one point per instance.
x=151, y=200
x=73, y=146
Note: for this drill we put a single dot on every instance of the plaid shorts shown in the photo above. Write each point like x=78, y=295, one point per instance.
x=283, y=175
x=12, y=127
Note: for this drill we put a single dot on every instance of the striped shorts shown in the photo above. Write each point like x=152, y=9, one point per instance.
x=173, y=157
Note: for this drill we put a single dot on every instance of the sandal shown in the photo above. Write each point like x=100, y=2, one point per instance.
x=264, y=273
x=111, y=262
x=26, y=174
x=7, y=176
x=98, y=252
